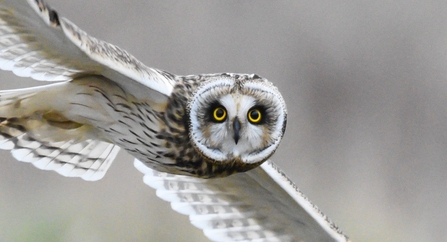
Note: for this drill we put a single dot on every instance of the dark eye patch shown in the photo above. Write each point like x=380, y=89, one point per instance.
x=216, y=113
x=257, y=114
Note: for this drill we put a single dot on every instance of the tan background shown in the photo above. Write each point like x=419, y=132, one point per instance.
x=365, y=83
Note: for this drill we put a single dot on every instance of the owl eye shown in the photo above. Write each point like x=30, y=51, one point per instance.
x=219, y=114
x=254, y=116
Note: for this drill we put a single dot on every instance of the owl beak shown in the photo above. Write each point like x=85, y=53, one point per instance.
x=236, y=129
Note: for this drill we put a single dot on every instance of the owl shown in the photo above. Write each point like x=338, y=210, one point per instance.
x=180, y=129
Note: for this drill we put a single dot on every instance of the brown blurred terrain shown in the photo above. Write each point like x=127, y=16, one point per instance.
x=366, y=88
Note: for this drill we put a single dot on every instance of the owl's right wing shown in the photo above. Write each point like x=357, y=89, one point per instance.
x=35, y=42
x=259, y=205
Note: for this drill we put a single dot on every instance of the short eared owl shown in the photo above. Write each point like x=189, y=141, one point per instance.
x=202, y=126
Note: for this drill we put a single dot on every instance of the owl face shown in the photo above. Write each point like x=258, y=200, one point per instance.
x=237, y=118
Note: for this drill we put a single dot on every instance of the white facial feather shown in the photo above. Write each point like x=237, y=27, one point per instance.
x=216, y=140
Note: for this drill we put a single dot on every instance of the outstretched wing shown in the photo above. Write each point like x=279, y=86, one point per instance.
x=35, y=42
x=259, y=205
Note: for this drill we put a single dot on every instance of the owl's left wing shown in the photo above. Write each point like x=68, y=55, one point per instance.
x=259, y=205
x=36, y=42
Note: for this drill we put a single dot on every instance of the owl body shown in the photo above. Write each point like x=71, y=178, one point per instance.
x=155, y=133
x=161, y=137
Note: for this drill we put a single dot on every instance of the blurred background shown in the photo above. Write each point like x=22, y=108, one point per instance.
x=366, y=88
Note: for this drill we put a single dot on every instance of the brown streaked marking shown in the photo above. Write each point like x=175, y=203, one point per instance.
x=58, y=120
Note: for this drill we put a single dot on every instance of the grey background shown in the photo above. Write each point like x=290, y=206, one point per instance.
x=365, y=83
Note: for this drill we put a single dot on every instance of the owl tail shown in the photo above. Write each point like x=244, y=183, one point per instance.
x=35, y=132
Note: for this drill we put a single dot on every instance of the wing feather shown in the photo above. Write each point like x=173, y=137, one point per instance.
x=88, y=159
x=259, y=205
x=35, y=42
x=118, y=59
x=31, y=46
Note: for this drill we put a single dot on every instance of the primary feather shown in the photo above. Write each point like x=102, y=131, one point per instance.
x=259, y=205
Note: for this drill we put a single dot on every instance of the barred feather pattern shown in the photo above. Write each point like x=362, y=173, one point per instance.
x=38, y=55
x=259, y=205
x=88, y=159
x=35, y=42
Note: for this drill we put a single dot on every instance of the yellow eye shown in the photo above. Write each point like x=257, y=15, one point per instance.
x=254, y=116
x=219, y=114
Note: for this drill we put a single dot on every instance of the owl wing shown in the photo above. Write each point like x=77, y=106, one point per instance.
x=75, y=157
x=261, y=204
x=35, y=42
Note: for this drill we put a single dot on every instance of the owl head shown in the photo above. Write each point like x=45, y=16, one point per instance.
x=236, y=118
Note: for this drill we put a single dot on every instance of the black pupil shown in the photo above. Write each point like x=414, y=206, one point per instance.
x=219, y=113
x=255, y=114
